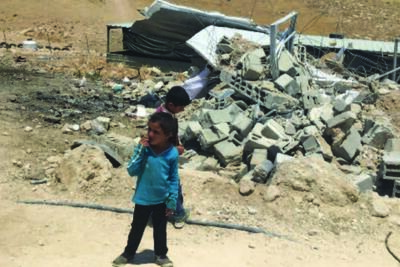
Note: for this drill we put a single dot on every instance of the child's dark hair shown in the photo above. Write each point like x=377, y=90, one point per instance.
x=178, y=96
x=168, y=124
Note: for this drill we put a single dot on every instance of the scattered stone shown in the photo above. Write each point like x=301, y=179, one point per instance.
x=272, y=193
x=28, y=129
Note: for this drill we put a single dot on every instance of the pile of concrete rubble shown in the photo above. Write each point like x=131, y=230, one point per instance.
x=251, y=122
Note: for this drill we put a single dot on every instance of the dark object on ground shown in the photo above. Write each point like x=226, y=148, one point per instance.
x=130, y=211
x=387, y=247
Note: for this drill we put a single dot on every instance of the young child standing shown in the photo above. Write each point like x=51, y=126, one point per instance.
x=175, y=102
x=155, y=162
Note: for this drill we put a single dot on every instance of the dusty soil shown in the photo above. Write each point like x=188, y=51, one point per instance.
x=36, y=236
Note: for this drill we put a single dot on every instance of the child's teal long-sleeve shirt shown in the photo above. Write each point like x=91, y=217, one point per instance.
x=158, y=177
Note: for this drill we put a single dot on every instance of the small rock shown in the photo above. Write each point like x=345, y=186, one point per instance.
x=251, y=210
x=28, y=129
x=246, y=187
x=272, y=193
x=379, y=209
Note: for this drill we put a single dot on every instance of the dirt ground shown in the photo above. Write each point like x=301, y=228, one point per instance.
x=35, y=235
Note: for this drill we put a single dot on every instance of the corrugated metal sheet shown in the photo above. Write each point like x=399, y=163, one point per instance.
x=351, y=44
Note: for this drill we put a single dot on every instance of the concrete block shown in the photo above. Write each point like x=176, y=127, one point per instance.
x=258, y=156
x=364, y=181
x=217, y=116
x=223, y=128
x=256, y=139
x=210, y=136
x=391, y=165
x=227, y=152
x=242, y=124
x=274, y=130
x=192, y=131
x=344, y=120
x=350, y=147
x=377, y=136
x=286, y=64
x=262, y=171
x=282, y=158
x=254, y=91
x=288, y=85
x=311, y=145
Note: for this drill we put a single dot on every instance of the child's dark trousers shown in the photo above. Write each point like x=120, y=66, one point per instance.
x=141, y=216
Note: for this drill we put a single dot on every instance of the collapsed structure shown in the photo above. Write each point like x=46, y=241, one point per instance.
x=274, y=101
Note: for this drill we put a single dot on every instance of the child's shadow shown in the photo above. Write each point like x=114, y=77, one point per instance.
x=143, y=257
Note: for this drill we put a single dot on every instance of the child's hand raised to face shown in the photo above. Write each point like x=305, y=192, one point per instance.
x=144, y=141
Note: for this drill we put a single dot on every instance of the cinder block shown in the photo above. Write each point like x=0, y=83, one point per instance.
x=364, y=182
x=282, y=158
x=377, y=136
x=288, y=85
x=256, y=139
x=262, y=170
x=227, y=152
x=311, y=145
x=210, y=136
x=217, y=116
x=242, y=124
x=192, y=131
x=274, y=130
x=350, y=147
x=343, y=120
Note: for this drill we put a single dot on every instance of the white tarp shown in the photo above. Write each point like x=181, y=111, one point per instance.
x=205, y=42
